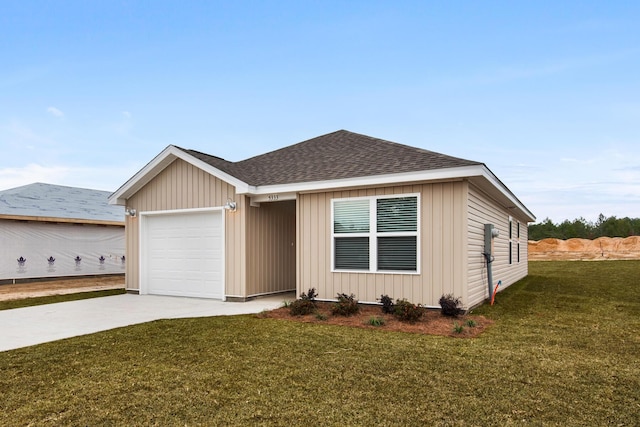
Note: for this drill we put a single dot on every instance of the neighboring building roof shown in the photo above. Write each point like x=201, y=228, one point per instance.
x=337, y=160
x=337, y=155
x=57, y=201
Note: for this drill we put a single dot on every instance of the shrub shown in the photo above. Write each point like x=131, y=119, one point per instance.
x=387, y=304
x=406, y=311
x=457, y=328
x=376, y=321
x=450, y=306
x=305, y=305
x=347, y=305
x=310, y=295
x=471, y=323
x=321, y=316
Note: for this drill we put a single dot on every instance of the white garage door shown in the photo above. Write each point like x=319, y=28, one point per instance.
x=182, y=254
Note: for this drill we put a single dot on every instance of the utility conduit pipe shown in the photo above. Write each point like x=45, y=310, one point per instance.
x=490, y=232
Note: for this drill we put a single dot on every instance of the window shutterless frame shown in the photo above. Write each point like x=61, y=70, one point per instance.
x=510, y=240
x=514, y=241
x=376, y=234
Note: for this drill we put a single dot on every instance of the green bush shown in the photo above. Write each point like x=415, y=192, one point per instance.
x=450, y=306
x=347, y=305
x=406, y=311
x=387, y=304
x=305, y=305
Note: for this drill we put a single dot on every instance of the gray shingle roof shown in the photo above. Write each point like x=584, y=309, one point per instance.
x=337, y=155
x=57, y=201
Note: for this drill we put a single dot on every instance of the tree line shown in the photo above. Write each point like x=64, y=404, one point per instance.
x=581, y=228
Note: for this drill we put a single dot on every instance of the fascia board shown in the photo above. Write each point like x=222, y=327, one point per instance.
x=440, y=174
x=479, y=170
x=61, y=220
x=158, y=164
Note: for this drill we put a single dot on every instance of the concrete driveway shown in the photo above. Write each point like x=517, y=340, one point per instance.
x=22, y=327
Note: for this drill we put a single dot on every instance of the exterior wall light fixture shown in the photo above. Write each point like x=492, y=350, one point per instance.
x=130, y=212
x=230, y=205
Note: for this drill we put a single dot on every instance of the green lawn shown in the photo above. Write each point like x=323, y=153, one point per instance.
x=564, y=351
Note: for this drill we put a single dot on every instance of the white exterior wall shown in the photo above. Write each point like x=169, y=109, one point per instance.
x=37, y=242
x=483, y=210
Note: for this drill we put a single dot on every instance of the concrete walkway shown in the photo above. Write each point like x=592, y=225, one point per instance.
x=23, y=327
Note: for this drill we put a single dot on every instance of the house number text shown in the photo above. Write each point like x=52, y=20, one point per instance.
x=272, y=197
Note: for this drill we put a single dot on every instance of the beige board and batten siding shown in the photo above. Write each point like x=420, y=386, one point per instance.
x=184, y=186
x=484, y=210
x=271, y=248
x=443, y=245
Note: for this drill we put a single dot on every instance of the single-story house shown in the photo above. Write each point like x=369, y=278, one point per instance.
x=49, y=231
x=341, y=213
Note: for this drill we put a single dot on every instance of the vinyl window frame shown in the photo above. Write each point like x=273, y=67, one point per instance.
x=373, y=234
x=510, y=240
x=518, y=243
x=514, y=242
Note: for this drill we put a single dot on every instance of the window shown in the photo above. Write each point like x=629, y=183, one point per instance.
x=518, y=259
x=377, y=234
x=510, y=240
x=351, y=222
x=514, y=241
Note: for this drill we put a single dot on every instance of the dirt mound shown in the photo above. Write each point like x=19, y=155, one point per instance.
x=585, y=249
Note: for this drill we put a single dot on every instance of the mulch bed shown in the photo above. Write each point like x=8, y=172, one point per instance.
x=432, y=323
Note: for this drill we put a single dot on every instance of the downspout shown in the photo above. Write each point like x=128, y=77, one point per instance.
x=489, y=233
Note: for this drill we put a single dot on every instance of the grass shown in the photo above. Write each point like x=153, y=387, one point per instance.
x=563, y=351
x=29, y=302
x=376, y=321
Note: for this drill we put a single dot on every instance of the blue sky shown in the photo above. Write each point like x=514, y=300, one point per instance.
x=546, y=94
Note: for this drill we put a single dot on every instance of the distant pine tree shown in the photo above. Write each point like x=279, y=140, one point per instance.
x=581, y=228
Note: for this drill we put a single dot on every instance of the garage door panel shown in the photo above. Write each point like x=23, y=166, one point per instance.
x=184, y=255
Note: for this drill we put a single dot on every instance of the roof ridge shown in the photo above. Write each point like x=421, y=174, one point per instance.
x=52, y=185
x=295, y=144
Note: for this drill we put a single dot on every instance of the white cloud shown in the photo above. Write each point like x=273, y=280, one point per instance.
x=107, y=178
x=16, y=177
x=543, y=68
x=55, y=112
x=560, y=184
x=568, y=187
x=126, y=114
x=21, y=135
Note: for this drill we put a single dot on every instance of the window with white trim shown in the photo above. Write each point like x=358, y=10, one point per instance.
x=514, y=241
x=510, y=240
x=518, y=234
x=376, y=234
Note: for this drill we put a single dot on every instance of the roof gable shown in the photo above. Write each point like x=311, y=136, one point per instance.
x=213, y=166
